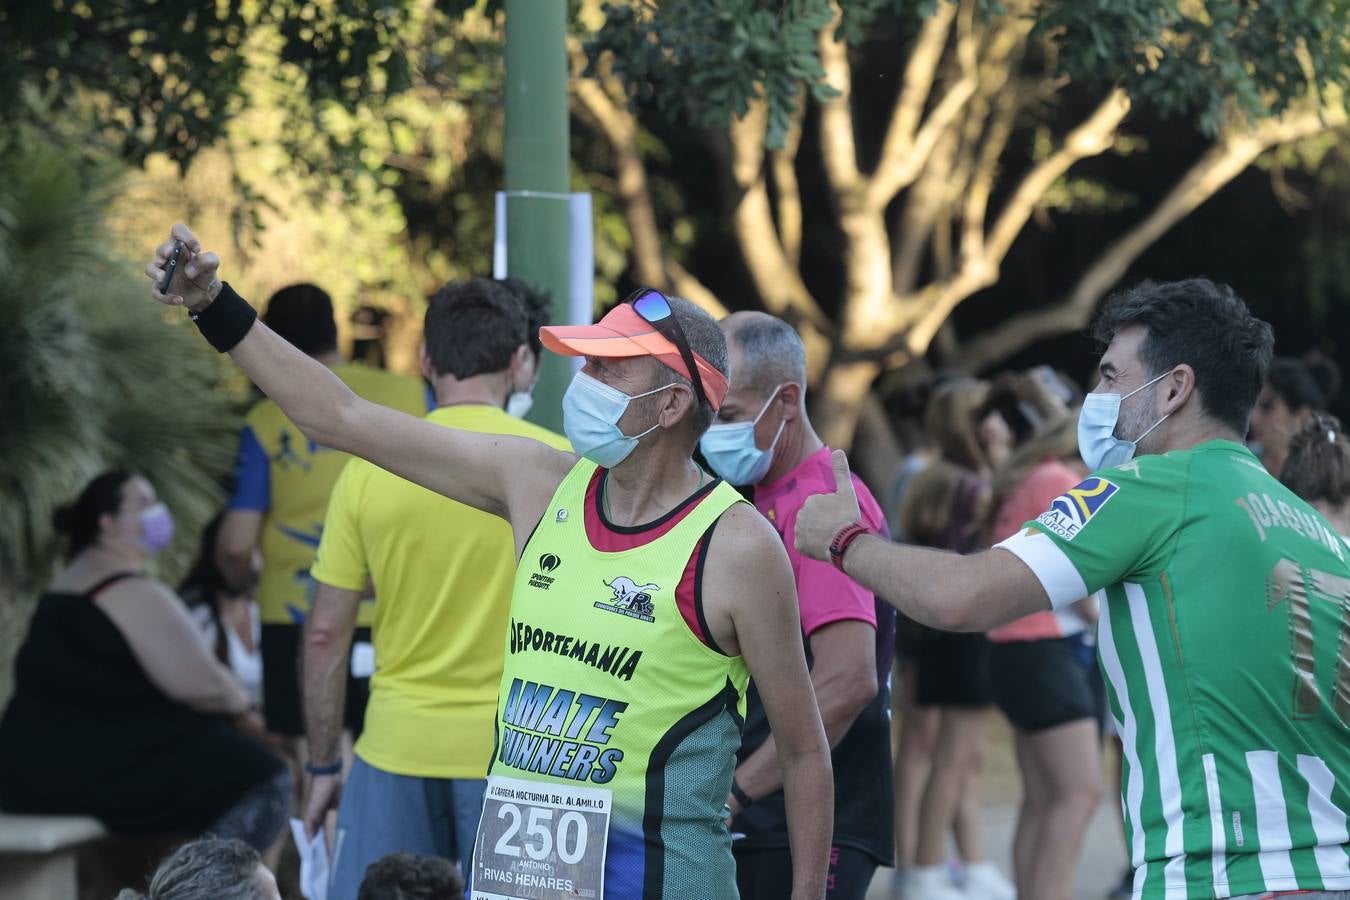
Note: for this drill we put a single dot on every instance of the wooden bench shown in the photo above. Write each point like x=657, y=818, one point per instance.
x=38, y=855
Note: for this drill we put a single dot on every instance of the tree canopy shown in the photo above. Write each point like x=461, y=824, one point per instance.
x=706, y=60
x=169, y=77
x=861, y=168
x=936, y=136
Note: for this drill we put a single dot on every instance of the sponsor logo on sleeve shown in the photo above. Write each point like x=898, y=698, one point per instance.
x=1071, y=511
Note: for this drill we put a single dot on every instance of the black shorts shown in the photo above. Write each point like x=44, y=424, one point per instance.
x=1041, y=684
x=952, y=669
x=283, y=708
x=767, y=874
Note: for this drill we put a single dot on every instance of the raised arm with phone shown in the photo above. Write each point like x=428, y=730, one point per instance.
x=671, y=550
x=490, y=472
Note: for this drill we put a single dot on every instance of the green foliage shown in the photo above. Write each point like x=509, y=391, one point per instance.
x=166, y=77
x=707, y=59
x=703, y=61
x=94, y=376
x=1205, y=57
x=380, y=206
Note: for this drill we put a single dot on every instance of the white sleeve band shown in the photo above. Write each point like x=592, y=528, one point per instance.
x=1062, y=583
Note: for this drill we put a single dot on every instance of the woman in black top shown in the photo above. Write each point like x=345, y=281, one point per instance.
x=120, y=712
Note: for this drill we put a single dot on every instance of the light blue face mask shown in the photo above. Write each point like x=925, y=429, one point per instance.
x=1097, y=441
x=591, y=414
x=730, y=449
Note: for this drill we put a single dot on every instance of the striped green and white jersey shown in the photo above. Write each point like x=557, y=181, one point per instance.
x=1225, y=642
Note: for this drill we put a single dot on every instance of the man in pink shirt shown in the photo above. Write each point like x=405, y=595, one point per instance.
x=763, y=438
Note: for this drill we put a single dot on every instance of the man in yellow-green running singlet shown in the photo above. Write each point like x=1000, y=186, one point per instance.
x=646, y=596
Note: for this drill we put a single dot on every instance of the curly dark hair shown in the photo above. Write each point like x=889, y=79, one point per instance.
x=406, y=876
x=1318, y=467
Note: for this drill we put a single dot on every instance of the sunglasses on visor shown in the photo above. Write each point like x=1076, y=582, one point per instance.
x=654, y=308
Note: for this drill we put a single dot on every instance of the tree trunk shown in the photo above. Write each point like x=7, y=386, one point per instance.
x=839, y=401
x=876, y=454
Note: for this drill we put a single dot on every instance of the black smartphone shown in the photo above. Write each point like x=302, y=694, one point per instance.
x=169, y=269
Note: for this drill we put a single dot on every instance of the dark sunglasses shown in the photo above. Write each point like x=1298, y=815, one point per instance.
x=654, y=308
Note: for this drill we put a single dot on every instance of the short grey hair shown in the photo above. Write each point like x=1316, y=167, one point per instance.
x=706, y=339
x=205, y=869
x=771, y=350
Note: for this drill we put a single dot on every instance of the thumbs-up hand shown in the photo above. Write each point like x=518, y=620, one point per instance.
x=823, y=515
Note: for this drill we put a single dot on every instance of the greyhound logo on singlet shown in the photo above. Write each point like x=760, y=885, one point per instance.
x=630, y=599
x=617, y=726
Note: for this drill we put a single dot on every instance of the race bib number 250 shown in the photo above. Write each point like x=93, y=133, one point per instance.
x=540, y=841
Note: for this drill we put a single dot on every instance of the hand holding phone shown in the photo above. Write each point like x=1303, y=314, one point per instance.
x=198, y=273
x=171, y=266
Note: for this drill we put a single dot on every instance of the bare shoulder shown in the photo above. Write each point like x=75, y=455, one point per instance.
x=139, y=586
x=138, y=589
x=745, y=542
x=545, y=466
x=533, y=474
x=747, y=579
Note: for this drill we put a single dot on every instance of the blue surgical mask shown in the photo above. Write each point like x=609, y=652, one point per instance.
x=1097, y=441
x=730, y=449
x=591, y=414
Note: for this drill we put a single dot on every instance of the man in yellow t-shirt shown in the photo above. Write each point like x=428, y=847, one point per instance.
x=282, y=483
x=443, y=573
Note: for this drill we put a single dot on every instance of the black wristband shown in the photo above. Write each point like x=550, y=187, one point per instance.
x=225, y=322
x=741, y=796
x=331, y=769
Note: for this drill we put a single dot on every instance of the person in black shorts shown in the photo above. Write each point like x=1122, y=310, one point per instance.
x=1045, y=680
x=281, y=650
x=945, y=508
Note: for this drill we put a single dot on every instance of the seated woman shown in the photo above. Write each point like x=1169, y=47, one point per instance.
x=228, y=621
x=119, y=710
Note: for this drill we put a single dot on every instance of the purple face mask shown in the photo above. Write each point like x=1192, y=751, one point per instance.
x=156, y=528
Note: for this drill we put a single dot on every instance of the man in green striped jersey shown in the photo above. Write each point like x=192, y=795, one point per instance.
x=1225, y=627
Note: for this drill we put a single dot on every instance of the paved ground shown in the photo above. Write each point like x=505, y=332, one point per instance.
x=1099, y=868
x=1103, y=856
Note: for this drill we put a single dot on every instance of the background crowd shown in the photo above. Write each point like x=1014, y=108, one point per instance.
x=924, y=191
x=230, y=703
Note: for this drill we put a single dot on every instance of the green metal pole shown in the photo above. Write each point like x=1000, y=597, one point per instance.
x=537, y=169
